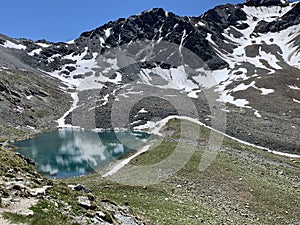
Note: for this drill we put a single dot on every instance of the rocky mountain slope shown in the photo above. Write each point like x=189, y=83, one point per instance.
x=30, y=100
x=242, y=60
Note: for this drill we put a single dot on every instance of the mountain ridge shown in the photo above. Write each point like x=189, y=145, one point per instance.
x=251, y=50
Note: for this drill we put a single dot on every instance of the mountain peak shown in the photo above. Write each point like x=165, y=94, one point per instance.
x=266, y=2
x=154, y=10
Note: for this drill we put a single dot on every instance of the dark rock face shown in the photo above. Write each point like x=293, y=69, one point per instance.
x=156, y=24
x=291, y=18
x=219, y=19
x=223, y=16
x=153, y=25
x=266, y=3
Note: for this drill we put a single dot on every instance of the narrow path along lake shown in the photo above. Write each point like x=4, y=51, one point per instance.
x=69, y=152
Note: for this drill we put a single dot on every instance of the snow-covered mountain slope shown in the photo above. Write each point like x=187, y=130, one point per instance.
x=246, y=54
x=259, y=57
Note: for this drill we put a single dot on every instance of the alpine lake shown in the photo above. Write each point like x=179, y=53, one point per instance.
x=68, y=153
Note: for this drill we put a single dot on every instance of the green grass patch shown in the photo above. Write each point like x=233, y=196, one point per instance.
x=242, y=185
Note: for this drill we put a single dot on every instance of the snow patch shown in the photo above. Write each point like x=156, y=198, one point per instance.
x=43, y=45
x=293, y=87
x=29, y=97
x=210, y=39
x=35, y=52
x=143, y=111
x=283, y=39
x=257, y=114
x=242, y=87
x=226, y=97
x=295, y=100
x=194, y=94
x=176, y=78
x=265, y=91
x=267, y=14
x=61, y=121
x=113, y=63
x=271, y=59
x=123, y=163
x=71, y=42
x=220, y=75
x=52, y=58
x=200, y=24
x=107, y=32
x=105, y=99
x=9, y=44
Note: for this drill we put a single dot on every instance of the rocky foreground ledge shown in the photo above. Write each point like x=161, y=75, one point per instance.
x=28, y=198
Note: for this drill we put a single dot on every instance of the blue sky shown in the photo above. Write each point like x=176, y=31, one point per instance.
x=63, y=20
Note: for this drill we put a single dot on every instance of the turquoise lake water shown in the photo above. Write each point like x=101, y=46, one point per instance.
x=68, y=152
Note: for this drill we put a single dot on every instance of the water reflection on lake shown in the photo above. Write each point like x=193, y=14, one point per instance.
x=69, y=152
